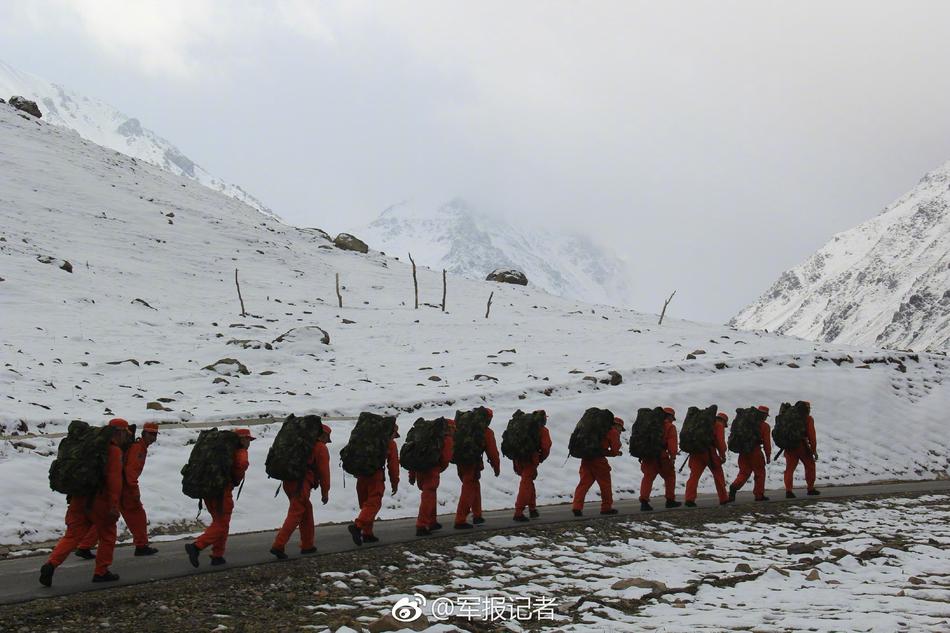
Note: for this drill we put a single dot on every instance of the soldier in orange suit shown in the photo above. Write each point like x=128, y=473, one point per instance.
x=662, y=466
x=807, y=454
x=130, y=502
x=527, y=469
x=597, y=469
x=428, y=482
x=100, y=511
x=713, y=459
x=754, y=463
x=470, y=496
x=300, y=512
x=216, y=534
x=369, y=493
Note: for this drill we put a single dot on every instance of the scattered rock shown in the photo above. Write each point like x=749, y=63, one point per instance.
x=508, y=276
x=61, y=263
x=614, y=378
x=642, y=583
x=267, y=372
x=690, y=357
x=220, y=380
x=119, y=362
x=792, y=365
x=914, y=580
x=805, y=548
x=698, y=352
x=156, y=406
x=745, y=568
x=250, y=344
x=389, y=623
x=347, y=242
x=435, y=379
x=303, y=334
x=228, y=367
x=25, y=105
x=348, y=322
x=813, y=575
x=722, y=366
x=141, y=302
x=481, y=377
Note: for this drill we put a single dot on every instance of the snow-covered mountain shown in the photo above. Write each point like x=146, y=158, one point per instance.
x=471, y=243
x=104, y=125
x=885, y=282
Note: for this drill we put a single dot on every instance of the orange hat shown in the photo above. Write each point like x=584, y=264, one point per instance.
x=618, y=422
x=722, y=416
x=326, y=429
x=763, y=408
x=118, y=423
x=245, y=433
x=491, y=413
x=150, y=427
x=670, y=411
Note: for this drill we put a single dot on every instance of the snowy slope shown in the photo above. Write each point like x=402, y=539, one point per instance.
x=137, y=235
x=104, y=125
x=885, y=282
x=470, y=243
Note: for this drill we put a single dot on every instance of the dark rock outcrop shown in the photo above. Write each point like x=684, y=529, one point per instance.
x=348, y=242
x=27, y=106
x=508, y=276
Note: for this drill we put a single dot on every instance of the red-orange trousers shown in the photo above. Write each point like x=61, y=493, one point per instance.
x=299, y=515
x=428, y=483
x=591, y=470
x=369, y=492
x=470, y=497
x=130, y=506
x=527, y=497
x=698, y=463
x=803, y=455
x=216, y=534
x=80, y=518
x=752, y=464
x=662, y=466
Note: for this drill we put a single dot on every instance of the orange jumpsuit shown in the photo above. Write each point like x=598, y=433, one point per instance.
x=804, y=454
x=100, y=512
x=370, y=490
x=713, y=459
x=470, y=496
x=662, y=466
x=300, y=512
x=216, y=534
x=528, y=470
x=130, y=501
x=428, y=482
x=754, y=463
x=597, y=469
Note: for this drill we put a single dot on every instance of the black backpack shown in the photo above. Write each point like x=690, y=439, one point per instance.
x=289, y=456
x=791, y=425
x=745, y=435
x=697, y=434
x=646, y=435
x=587, y=439
x=469, y=437
x=423, y=446
x=80, y=464
x=366, y=451
x=208, y=471
x=522, y=439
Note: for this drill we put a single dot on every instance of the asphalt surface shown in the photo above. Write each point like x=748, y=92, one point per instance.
x=19, y=577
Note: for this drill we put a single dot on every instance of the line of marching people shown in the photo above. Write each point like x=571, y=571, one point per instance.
x=98, y=493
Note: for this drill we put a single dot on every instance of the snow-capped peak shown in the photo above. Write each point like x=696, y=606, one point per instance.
x=104, y=125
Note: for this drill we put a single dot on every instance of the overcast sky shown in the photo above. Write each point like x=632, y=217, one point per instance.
x=714, y=144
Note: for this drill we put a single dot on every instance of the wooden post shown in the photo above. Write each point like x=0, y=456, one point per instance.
x=415, y=282
x=488, y=308
x=665, y=303
x=339, y=297
x=443, y=290
x=240, y=298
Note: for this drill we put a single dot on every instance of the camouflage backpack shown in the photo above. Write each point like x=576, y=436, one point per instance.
x=646, y=435
x=522, y=438
x=469, y=438
x=587, y=439
x=697, y=435
x=80, y=464
x=289, y=456
x=745, y=435
x=366, y=450
x=791, y=425
x=423, y=446
x=208, y=471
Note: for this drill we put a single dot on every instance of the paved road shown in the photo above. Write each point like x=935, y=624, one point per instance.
x=19, y=577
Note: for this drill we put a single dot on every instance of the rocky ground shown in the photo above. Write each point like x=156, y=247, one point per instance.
x=863, y=564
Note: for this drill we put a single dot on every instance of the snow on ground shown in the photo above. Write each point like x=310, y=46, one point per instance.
x=153, y=258
x=870, y=565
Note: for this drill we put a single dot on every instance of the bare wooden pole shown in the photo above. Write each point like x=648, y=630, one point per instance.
x=339, y=297
x=665, y=303
x=443, y=290
x=488, y=307
x=240, y=298
x=415, y=281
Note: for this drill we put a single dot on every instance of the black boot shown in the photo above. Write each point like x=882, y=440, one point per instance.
x=46, y=575
x=789, y=494
x=690, y=504
x=192, y=550
x=279, y=553
x=309, y=550
x=610, y=511
x=478, y=520
x=578, y=513
x=83, y=552
x=814, y=492
x=355, y=533
x=369, y=538
x=732, y=493
x=645, y=506
x=520, y=518
x=218, y=560
x=435, y=526
x=106, y=577
x=533, y=513
x=145, y=550
x=762, y=498
x=673, y=503
x=463, y=526
x=420, y=531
